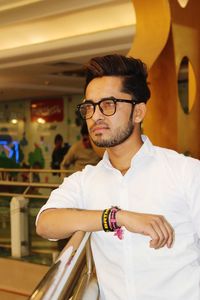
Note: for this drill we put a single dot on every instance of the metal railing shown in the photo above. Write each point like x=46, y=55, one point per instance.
x=10, y=181
x=12, y=185
x=71, y=275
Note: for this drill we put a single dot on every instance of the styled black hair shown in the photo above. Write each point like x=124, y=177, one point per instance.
x=132, y=71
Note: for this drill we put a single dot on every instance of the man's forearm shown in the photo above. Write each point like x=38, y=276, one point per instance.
x=60, y=223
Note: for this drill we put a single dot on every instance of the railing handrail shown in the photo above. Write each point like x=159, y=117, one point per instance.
x=60, y=277
x=29, y=183
x=35, y=196
x=34, y=184
x=32, y=170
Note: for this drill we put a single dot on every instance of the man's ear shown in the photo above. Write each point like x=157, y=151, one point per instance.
x=139, y=112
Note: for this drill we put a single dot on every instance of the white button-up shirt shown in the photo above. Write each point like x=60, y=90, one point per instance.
x=159, y=181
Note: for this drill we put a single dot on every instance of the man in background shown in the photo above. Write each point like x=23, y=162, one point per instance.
x=58, y=152
x=81, y=153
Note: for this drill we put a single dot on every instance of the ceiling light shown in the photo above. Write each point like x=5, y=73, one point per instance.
x=41, y=121
x=14, y=121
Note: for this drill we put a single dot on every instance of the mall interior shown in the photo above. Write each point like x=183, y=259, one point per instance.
x=44, y=45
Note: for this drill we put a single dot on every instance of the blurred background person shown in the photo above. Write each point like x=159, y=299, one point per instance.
x=58, y=152
x=81, y=153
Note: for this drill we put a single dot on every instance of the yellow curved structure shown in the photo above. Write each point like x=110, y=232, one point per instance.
x=165, y=33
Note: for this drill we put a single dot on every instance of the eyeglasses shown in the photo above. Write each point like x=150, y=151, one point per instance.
x=107, y=107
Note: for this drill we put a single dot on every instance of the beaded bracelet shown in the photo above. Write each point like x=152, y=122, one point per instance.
x=117, y=229
x=109, y=222
x=112, y=219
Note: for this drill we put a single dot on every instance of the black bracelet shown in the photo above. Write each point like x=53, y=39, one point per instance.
x=105, y=220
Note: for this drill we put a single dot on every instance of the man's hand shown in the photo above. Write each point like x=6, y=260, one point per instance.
x=155, y=226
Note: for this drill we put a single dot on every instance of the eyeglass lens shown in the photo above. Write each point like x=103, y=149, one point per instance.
x=106, y=106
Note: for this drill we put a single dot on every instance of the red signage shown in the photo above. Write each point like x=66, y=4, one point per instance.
x=49, y=110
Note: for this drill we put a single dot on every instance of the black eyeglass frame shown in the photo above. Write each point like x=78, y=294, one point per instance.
x=94, y=104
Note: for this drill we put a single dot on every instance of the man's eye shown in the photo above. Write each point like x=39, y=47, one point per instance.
x=88, y=106
x=108, y=103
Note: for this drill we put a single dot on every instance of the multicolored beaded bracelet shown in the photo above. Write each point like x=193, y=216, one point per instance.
x=109, y=222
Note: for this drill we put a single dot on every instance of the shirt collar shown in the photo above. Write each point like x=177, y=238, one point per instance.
x=146, y=150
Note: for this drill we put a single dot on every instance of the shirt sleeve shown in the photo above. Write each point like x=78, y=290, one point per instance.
x=192, y=184
x=67, y=195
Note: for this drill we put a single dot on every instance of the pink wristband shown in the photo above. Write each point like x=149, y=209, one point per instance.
x=113, y=222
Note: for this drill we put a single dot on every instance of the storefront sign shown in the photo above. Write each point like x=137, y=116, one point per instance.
x=49, y=110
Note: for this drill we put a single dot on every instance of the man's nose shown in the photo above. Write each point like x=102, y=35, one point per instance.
x=97, y=114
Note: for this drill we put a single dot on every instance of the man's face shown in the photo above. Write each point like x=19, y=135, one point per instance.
x=109, y=131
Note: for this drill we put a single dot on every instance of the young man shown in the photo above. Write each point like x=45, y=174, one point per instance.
x=149, y=196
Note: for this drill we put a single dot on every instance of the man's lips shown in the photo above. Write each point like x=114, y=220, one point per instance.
x=98, y=128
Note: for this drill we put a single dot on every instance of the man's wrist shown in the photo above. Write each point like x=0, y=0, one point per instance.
x=120, y=218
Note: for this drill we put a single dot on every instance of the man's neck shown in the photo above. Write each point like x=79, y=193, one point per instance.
x=120, y=156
